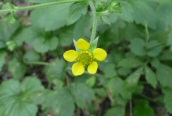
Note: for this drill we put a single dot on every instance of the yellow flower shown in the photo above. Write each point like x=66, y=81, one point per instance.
x=84, y=58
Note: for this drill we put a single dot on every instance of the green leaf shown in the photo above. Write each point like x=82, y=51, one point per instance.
x=109, y=71
x=166, y=55
x=117, y=111
x=41, y=41
x=66, y=37
x=133, y=79
x=91, y=81
x=17, y=99
x=142, y=108
x=42, y=45
x=164, y=16
x=55, y=69
x=2, y=59
x=82, y=94
x=116, y=86
x=145, y=13
x=168, y=100
x=31, y=56
x=6, y=30
x=169, y=41
x=150, y=77
x=16, y=68
x=11, y=45
x=59, y=103
x=106, y=19
x=153, y=48
x=126, y=11
x=55, y=18
x=137, y=47
x=130, y=62
x=83, y=27
x=76, y=11
x=164, y=73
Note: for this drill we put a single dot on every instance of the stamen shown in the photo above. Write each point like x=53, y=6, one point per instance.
x=85, y=58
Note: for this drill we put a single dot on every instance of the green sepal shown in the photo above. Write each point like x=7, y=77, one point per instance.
x=94, y=44
x=76, y=48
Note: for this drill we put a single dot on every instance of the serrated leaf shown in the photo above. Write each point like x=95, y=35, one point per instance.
x=117, y=111
x=91, y=81
x=137, y=47
x=66, y=37
x=150, y=77
x=133, y=79
x=143, y=108
x=59, y=103
x=153, y=48
x=106, y=20
x=164, y=73
x=6, y=30
x=164, y=16
x=76, y=11
x=82, y=27
x=115, y=86
x=31, y=56
x=82, y=94
x=15, y=100
x=56, y=13
x=144, y=12
x=109, y=71
x=168, y=100
x=16, y=68
x=126, y=11
x=55, y=69
x=41, y=41
x=130, y=62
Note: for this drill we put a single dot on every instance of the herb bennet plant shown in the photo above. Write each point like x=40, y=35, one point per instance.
x=85, y=58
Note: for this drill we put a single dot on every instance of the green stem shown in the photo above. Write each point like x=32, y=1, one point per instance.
x=147, y=31
x=37, y=63
x=9, y=1
x=16, y=9
x=93, y=35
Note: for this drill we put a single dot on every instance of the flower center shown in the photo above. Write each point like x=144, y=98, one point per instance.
x=85, y=57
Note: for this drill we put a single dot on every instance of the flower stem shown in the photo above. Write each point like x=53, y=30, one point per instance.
x=37, y=63
x=16, y=9
x=93, y=35
x=147, y=31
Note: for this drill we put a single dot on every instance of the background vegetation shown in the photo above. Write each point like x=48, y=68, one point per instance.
x=136, y=79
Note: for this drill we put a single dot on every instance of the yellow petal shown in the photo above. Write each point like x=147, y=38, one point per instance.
x=82, y=44
x=92, y=68
x=78, y=69
x=100, y=54
x=70, y=55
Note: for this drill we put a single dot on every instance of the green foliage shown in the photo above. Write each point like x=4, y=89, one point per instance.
x=56, y=13
x=143, y=108
x=17, y=99
x=135, y=79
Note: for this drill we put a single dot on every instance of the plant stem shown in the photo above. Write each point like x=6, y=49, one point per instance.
x=93, y=35
x=16, y=9
x=147, y=31
x=37, y=63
